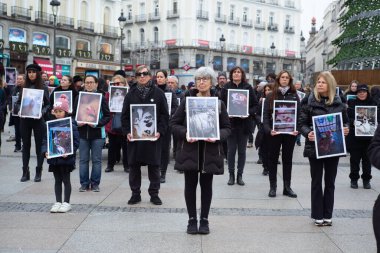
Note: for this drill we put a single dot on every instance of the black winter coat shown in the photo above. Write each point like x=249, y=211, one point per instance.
x=174, y=104
x=311, y=107
x=145, y=152
x=188, y=156
x=268, y=108
x=245, y=124
x=98, y=132
x=374, y=149
x=352, y=141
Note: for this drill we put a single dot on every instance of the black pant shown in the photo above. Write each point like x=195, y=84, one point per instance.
x=287, y=143
x=322, y=202
x=376, y=221
x=191, y=183
x=16, y=121
x=264, y=151
x=26, y=127
x=135, y=179
x=62, y=177
x=165, y=151
x=237, y=141
x=116, y=142
x=355, y=156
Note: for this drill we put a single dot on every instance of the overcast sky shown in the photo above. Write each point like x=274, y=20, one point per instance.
x=312, y=8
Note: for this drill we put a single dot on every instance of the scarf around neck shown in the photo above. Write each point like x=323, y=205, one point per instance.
x=144, y=89
x=284, y=89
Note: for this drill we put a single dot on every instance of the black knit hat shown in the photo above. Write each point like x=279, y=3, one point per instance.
x=33, y=67
x=362, y=87
x=120, y=72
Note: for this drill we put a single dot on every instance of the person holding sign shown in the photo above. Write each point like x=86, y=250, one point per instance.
x=200, y=160
x=283, y=93
x=358, y=145
x=323, y=100
x=27, y=125
x=68, y=86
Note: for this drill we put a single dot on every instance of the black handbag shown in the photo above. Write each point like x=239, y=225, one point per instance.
x=116, y=123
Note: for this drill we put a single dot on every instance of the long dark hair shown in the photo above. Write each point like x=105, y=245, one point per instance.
x=71, y=86
x=243, y=77
x=276, y=85
x=38, y=83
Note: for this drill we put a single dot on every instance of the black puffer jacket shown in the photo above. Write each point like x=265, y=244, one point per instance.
x=188, y=155
x=311, y=107
x=374, y=149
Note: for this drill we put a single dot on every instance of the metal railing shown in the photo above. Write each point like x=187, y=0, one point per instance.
x=110, y=31
x=272, y=27
x=233, y=20
x=202, y=14
x=220, y=18
x=19, y=12
x=43, y=18
x=64, y=21
x=289, y=29
x=247, y=23
x=274, y=2
x=3, y=9
x=154, y=16
x=140, y=18
x=173, y=14
x=260, y=26
x=85, y=25
x=289, y=4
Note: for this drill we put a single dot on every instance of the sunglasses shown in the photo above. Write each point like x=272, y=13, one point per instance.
x=116, y=83
x=146, y=73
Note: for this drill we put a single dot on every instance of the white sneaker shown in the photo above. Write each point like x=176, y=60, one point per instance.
x=65, y=207
x=55, y=207
x=318, y=223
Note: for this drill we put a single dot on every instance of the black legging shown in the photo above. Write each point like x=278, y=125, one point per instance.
x=165, y=151
x=191, y=183
x=62, y=177
x=26, y=127
x=117, y=143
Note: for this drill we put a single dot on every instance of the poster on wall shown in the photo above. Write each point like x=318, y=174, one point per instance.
x=16, y=35
x=40, y=39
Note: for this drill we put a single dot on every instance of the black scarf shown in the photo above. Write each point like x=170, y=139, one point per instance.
x=144, y=89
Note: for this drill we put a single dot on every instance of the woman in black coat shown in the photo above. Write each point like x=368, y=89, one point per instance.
x=284, y=90
x=199, y=160
x=358, y=145
x=141, y=153
x=321, y=101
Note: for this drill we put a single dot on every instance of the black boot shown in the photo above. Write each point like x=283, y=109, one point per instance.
x=239, y=179
x=192, y=226
x=272, y=190
x=288, y=191
x=25, y=174
x=265, y=171
x=203, y=227
x=231, y=181
x=37, y=178
x=163, y=177
x=366, y=184
x=354, y=184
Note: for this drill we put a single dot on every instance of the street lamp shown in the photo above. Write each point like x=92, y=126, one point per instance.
x=272, y=48
x=323, y=58
x=302, y=51
x=222, y=41
x=54, y=6
x=122, y=20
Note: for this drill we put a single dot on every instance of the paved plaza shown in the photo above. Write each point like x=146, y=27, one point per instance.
x=242, y=218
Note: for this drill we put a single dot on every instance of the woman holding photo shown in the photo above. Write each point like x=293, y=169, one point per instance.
x=92, y=138
x=27, y=125
x=283, y=89
x=200, y=160
x=323, y=100
x=66, y=85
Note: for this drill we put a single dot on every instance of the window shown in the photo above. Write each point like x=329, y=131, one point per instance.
x=175, y=6
x=232, y=12
x=200, y=5
x=41, y=39
x=142, y=8
x=106, y=48
x=142, y=37
x=287, y=21
x=232, y=37
x=218, y=34
x=217, y=63
x=231, y=62
x=156, y=8
x=129, y=17
x=84, y=8
x=129, y=37
x=258, y=16
x=173, y=60
x=287, y=43
x=199, y=60
x=155, y=35
x=218, y=9
x=271, y=18
x=62, y=42
x=107, y=12
x=200, y=32
x=245, y=15
x=17, y=35
x=258, y=40
x=244, y=64
x=245, y=38
x=83, y=45
x=174, y=31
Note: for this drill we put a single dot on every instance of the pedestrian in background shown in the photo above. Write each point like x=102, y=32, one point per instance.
x=200, y=160
x=321, y=101
x=14, y=118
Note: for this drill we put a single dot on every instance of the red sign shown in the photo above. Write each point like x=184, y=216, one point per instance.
x=203, y=43
x=290, y=53
x=186, y=67
x=247, y=49
x=171, y=42
x=128, y=67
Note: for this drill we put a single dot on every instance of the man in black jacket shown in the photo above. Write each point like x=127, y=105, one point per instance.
x=141, y=153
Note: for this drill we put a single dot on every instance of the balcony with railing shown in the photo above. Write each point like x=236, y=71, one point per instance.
x=63, y=21
x=289, y=29
x=43, y=18
x=85, y=25
x=140, y=18
x=173, y=14
x=246, y=23
x=273, y=27
x=289, y=4
x=21, y=13
x=273, y=2
x=202, y=14
x=3, y=9
x=110, y=31
x=260, y=1
x=260, y=25
x=155, y=16
x=129, y=20
x=233, y=20
x=220, y=18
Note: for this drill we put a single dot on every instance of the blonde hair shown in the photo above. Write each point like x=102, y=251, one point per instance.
x=120, y=77
x=331, y=87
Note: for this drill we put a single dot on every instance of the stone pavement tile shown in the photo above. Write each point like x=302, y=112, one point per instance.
x=131, y=241
x=5, y=250
x=355, y=243
x=280, y=202
x=36, y=239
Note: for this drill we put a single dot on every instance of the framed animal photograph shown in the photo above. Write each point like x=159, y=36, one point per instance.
x=329, y=137
x=10, y=75
x=88, y=108
x=202, y=115
x=237, y=103
x=143, y=122
x=301, y=94
x=365, y=120
x=169, y=96
x=66, y=94
x=285, y=116
x=31, y=103
x=59, y=137
x=117, y=95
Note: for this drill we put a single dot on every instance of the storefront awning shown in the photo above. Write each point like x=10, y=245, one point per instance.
x=47, y=67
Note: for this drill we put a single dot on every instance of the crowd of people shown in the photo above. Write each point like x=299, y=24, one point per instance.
x=166, y=127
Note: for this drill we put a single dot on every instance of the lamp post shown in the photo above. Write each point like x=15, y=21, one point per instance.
x=323, y=59
x=302, y=51
x=222, y=41
x=272, y=48
x=54, y=6
x=122, y=20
